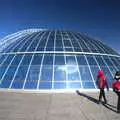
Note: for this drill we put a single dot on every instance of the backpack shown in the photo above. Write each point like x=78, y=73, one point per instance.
x=117, y=75
x=116, y=85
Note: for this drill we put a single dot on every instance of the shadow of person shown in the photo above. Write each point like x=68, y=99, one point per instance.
x=111, y=105
x=108, y=106
x=88, y=97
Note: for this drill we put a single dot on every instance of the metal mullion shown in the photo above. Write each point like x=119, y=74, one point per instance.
x=16, y=44
x=112, y=63
x=20, y=61
x=94, y=56
x=4, y=40
x=54, y=60
x=102, y=57
x=10, y=40
x=65, y=61
x=107, y=65
x=9, y=37
x=98, y=46
x=105, y=62
x=107, y=48
x=42, y=61
x=61, y=52
x=7, y=69
x=104, y=49
x=83, y=43
x=88, y=62
x=96, y=50
x=81, y=50
x=116, y=61
x=8, y=54
x=108, y=57
x=76, y=61
x=32, y=57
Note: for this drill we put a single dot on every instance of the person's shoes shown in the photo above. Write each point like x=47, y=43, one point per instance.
x=105, y=102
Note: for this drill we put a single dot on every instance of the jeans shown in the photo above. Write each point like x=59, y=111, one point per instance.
x=102, y=94
x=118, y=103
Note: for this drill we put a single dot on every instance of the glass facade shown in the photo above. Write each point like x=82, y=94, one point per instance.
x=47, y=59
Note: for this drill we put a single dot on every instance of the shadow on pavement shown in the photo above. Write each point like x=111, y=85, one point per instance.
x=108, y=106
x=88, y=97
x=111, y=106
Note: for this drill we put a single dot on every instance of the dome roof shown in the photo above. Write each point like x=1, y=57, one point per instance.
x=38, y=40
x=54, y=59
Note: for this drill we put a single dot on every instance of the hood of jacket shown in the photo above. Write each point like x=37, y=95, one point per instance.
x=100, y=73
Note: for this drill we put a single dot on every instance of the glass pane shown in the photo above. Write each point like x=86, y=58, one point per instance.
x=48, y=60
x=25, y=46
x=45, y=85
x=94, y=70
x=100, y=61
x=59, y=60
x=59, y=85
x=59, y=43
x=67, y=43
x=85, y=74
x=88, y=85
x=115, y=61
x=73, y=85
x=37, y=59
x=59, y=73
x=26, y=60
x=109, y=63
x=34, y=44
x=20, y=76
x=46, y=73
x=70, y=60
x=91, y=60
x=81, y=60
x=33, y=76
x=8, y=60
x=68, y=49
x=73, y=73
x=2, y=70
x=58, y=49
x=16, y=60
x=31, y=84
x=8, y=77
x=5, y=83
x=2, y=57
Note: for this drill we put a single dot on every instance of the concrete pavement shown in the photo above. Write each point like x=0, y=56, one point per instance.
x=56, y=106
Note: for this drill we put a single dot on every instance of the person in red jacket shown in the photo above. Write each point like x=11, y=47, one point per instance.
x=116, y=89
x=102, y=84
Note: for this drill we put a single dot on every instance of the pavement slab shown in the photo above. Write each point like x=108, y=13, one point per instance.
x=57, y=106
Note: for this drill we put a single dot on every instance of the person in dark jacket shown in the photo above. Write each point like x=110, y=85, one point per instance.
x=102, y=84
x=116, y=89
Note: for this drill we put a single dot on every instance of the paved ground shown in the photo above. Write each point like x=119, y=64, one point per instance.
x=56, y=106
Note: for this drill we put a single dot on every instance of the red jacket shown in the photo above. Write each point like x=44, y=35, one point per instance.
x=102, y=80
x=116, y=85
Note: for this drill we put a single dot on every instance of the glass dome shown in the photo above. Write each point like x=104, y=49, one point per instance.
x=54, y=59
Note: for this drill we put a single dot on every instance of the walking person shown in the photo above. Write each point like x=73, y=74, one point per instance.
x=116, y=89
x=102, y=83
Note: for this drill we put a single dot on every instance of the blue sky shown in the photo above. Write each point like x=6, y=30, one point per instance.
x=98, y=18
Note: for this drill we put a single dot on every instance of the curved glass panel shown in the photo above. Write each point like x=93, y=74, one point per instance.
x=47, y=59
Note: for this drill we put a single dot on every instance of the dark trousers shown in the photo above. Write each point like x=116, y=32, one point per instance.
x=118, y=103
x=102, y=94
